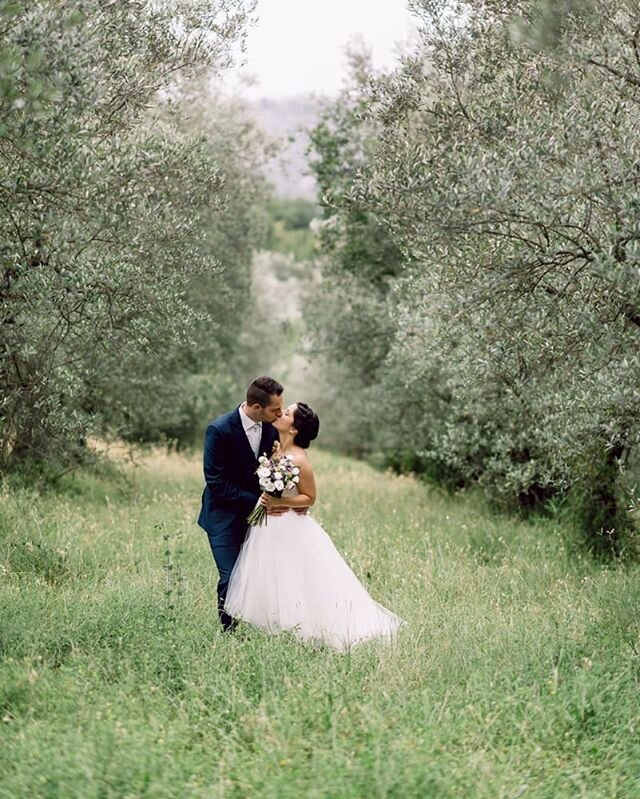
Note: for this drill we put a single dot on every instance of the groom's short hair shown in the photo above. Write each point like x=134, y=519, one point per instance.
x=261, y=391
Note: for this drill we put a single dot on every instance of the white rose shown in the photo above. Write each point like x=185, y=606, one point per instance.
x=263, y=459
x=277, y=476
x=267, y=485
x=264, y=471
x=296, y=479
x=296, y=470
x=279, y=485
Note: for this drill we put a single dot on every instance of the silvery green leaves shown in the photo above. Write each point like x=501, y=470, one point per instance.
x=509, y=181
x=117, y=217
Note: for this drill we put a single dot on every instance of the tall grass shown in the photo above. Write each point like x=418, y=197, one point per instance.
x=517, y=674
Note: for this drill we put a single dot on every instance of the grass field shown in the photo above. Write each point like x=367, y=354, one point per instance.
x=517, y=675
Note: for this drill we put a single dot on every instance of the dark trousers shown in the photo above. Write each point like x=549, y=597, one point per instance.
x=225, y=546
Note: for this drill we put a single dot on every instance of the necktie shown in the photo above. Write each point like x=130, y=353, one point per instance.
x=255, y=433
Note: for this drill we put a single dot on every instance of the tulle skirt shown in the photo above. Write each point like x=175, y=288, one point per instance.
x=290, y=576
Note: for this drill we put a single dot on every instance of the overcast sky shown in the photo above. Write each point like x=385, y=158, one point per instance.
x=297, y=46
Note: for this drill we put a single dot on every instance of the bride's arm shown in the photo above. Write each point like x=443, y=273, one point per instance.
x=306, y=487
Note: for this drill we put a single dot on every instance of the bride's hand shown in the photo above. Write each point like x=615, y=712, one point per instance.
x=272, y=506
x=268, y=501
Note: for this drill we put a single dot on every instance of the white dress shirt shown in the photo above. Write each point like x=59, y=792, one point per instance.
x=252, y=429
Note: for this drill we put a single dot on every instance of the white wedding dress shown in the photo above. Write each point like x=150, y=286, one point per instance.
x=290, y=576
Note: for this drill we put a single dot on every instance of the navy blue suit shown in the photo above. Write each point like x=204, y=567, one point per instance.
x=230, y=493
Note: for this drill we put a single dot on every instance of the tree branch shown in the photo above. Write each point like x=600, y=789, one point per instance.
x=632, y=79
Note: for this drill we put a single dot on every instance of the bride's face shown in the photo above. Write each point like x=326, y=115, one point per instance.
x=285, y=422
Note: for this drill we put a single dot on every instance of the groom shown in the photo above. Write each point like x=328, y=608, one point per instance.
x=232, y=445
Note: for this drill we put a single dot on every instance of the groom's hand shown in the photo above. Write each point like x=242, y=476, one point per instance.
x=273, y=509
x=270, y=503
x=276, y=510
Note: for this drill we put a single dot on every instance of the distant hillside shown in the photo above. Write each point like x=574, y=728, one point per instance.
x=287, y=119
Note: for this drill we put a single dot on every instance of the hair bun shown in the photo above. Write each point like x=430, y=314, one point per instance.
x=306, y=422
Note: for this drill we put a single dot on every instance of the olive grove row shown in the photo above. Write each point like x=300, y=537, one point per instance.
x=481, y=294
x=128, y=196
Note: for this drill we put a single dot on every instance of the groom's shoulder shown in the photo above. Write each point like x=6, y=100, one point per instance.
x=222, y=422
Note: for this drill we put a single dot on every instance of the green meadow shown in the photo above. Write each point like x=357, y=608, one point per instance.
x=517, y=674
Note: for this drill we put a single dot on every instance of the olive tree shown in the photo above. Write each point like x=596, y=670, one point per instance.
x=347, y=312
x=506, y=172
x=105, y=208
x=174, y=391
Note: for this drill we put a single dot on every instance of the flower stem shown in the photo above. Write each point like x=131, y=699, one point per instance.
x=258, y=516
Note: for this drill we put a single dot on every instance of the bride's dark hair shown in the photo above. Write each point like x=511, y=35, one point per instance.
x=306, y=422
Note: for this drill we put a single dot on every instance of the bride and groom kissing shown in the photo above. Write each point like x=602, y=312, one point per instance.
x=286, y=575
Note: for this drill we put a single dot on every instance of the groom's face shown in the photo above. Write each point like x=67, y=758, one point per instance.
x=273, y=410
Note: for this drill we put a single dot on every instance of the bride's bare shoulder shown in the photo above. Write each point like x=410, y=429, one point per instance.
x=301, y=458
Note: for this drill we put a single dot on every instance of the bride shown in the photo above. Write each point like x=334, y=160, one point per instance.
x=290, y=576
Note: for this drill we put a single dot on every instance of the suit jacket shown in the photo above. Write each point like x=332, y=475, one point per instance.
x=232, y=487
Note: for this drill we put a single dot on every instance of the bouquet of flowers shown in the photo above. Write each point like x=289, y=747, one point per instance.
x=276, y=474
